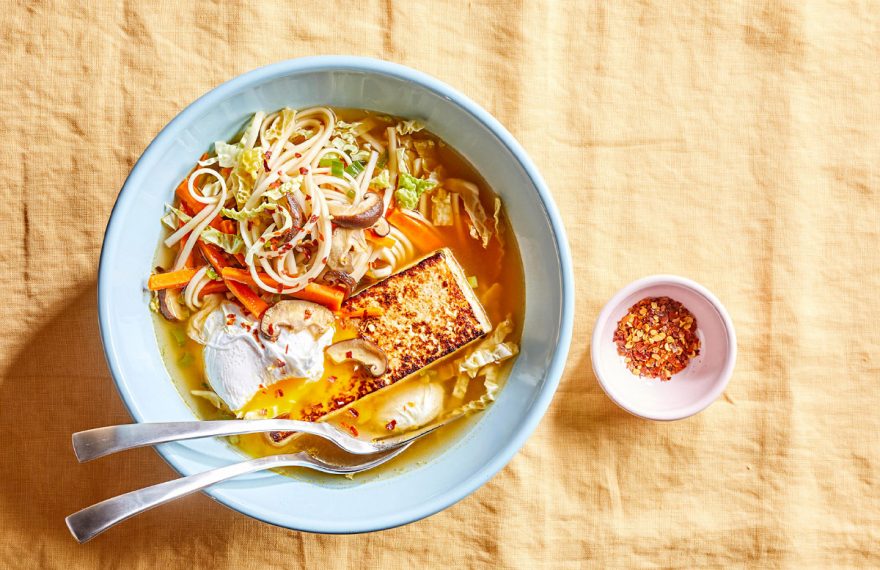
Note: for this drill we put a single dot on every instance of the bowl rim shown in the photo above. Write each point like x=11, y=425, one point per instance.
x=556, y=365
x=726, y=372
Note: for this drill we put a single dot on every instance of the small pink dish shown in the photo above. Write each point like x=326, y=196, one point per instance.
x=691, y=390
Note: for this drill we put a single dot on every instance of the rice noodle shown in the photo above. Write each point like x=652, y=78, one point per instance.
x=373, y=142
x=293, y=247
x=200, y=221
x=194, y=287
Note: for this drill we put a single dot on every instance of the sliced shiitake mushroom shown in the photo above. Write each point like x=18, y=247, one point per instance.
x=297, y=316
x=359, y=216
x=361, y=351
x=298, y=217
x=381, y=228
x=280, y=438
x=296, y=212
x=169, y=305
x=340, y=279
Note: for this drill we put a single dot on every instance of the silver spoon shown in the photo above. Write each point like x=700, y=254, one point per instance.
x=98, y=442
x=92, y=521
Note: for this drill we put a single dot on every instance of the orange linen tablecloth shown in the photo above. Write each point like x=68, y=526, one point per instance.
x=735, y=143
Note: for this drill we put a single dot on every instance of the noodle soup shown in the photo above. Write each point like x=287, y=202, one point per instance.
x=306, y=211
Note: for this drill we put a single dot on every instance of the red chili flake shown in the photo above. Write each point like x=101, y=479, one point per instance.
x=271, y=329
x=279, y=288
x=297, y=155
x=313, y=219
x=353, y=430
x=279, y=393
x=353, y=412
x=308, y=197
x=286, y=347
x=391, y=425
x=324, y=260
x=303, y=170
x=261, y=386
x=657, y=338
x=348, y=354
x=307, y=314
x=280, y=363
x=266, y=156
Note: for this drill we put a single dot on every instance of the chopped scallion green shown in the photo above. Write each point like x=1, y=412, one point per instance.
x=355, y=168
x=337, y=168
x=472, y=281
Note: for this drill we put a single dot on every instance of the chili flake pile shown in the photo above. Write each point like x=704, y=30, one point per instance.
x=657, y=338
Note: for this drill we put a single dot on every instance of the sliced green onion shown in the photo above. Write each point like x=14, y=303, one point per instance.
x=383, y=160
x=337, y=168
x=355, y=168
x=472, y=281
x=326, y=161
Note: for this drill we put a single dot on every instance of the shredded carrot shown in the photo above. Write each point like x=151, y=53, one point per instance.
x=225, y=171
x=330, y=297
x=423, y=236
x=171, y=279
x=251, y=301
x=186, y=198
x=213, y=255
x=327, y=295
x=213, y=287
x=226, y=226
x=244, y=276
x=379, y=240
x=371, y=311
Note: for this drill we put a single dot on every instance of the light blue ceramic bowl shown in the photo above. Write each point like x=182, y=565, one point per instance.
x=489, y=441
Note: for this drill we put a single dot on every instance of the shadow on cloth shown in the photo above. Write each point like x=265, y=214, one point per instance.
x=58, y=383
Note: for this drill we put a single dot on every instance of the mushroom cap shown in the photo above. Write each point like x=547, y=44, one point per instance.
x=359, y=216
x=340, y=279
x=381, y=228
x=168, y=305
x=361, y=351
x=296, y=315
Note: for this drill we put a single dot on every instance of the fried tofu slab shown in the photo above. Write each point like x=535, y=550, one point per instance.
x=429, y=311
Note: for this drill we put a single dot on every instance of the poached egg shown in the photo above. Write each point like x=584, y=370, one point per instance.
x=239, y=361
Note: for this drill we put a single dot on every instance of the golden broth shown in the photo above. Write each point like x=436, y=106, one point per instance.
x=500, y=288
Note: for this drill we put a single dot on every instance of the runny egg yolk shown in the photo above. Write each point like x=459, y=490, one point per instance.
x=293, y=396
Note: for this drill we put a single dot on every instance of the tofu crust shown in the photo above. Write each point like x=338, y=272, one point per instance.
x=430, y=312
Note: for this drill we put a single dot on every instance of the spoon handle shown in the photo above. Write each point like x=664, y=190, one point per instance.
x=92, y=521
x=98, y=442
